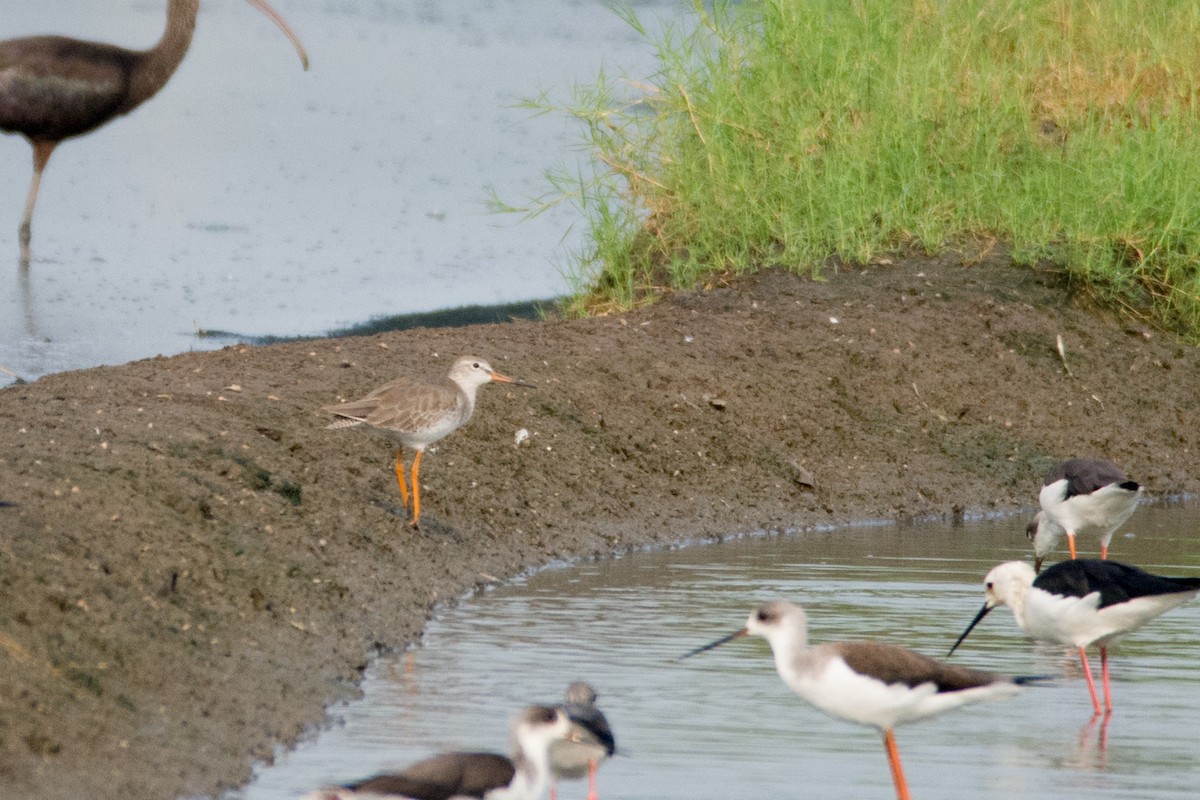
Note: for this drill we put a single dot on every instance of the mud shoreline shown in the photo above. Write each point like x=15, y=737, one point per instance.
x=193, y=568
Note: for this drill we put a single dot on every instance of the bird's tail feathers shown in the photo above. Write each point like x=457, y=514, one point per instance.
x=1033, y=680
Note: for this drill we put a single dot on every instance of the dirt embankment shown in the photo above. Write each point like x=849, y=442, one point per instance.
x=193, y=566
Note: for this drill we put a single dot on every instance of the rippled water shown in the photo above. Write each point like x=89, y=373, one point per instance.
x=250, y=196
x=722, y=724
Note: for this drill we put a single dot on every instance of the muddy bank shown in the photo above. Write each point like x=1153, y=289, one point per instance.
x=193, y=567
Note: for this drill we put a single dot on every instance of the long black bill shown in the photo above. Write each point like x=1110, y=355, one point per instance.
x=982, y=613
x=717, y=643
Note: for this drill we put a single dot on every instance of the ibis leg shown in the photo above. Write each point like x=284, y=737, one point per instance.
x=41, y=155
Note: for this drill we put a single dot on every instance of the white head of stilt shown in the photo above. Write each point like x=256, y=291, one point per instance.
x=533, y=731
x=1008, y=584
x=1045, y=533
x=784, y=625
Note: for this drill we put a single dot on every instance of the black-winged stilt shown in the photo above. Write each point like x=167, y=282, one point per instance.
x=590, y=741
x=1080, y=603
x=487, y=776
x=871, y=683
x=1081, y=496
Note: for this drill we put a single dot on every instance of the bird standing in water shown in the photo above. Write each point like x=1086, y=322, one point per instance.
x=871, y=683
x=54, y=87
x=1083, y=495
x=489, y=776
x=1082, y=602
x=590, y=742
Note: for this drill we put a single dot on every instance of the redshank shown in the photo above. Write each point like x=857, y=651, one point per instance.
x=471, y=775
x=1083, y=495
x=419, y=414
x=590, y=742
x=1082, y=602
x=871, y=683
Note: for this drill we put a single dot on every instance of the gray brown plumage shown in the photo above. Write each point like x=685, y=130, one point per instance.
x=418, y=414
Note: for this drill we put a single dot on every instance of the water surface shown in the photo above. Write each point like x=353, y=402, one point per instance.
x=250, y=196
x=723, y=721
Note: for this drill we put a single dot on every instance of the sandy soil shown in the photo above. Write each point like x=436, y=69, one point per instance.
x=192, y=567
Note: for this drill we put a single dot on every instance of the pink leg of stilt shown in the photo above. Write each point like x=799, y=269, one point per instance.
x=553, y=790
x=1108, y=707
x=1087, y=673
x=1103, y=550
x=592, y=795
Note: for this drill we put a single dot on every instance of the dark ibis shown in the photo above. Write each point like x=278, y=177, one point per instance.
x=55, y=87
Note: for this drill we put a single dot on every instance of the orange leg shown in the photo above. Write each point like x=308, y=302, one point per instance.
x=889, y=741
x=592, y=795
x=400, y=477
x=1103, y=550
x=1071, y=542
x=416, y=489
x=1087, y=673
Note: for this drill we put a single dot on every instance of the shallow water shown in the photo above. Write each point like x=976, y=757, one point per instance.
x=250, y=196
x=723, y=719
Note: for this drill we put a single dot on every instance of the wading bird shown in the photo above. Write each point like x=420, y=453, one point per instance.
x=54, y=87
x=871, y=683
x=1083, y=495
x=419, y=414
x=1082, y=602
x=488, y=776
x=591, y=740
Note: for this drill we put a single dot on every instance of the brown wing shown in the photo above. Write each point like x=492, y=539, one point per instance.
x=445, y=776
x=401, y=405
x=53, y=87
x=892, y=664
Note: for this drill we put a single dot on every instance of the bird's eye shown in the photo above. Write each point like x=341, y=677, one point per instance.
x=475, y=365
x=764, y=616
x=988, y=585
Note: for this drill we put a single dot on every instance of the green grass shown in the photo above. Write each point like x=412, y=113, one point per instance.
x=789, y=132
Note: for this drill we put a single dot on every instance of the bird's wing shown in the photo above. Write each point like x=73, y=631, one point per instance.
x=1115, y=582
x=444, y=776
x=52, y=87
x=400, y=405
x=591, y=721
x=894, y=664
x=469, y=774
x=412, y=406
x=1086, y=475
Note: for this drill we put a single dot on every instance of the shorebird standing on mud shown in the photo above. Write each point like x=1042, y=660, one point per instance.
x=419, y=414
